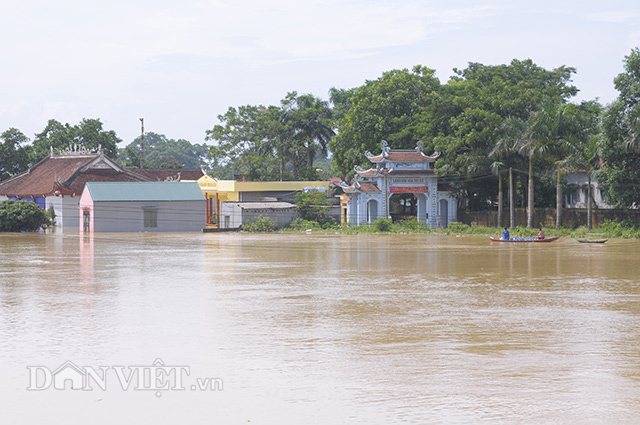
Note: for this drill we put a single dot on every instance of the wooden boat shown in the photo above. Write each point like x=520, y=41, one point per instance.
x=524, y=240
x=592, y=240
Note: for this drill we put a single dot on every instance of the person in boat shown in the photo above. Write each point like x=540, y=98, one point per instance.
x=505, y=234
x=541, y=234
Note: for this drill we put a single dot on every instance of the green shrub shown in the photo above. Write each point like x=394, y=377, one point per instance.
x=51, y=215
x=457, y=227
x=620, y=229
x=261, y=224
x=18, y=216
x=299, y=223
x=412, y=225
x=382, y=225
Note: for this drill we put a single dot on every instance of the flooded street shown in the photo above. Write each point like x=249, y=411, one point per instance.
x=321, y=329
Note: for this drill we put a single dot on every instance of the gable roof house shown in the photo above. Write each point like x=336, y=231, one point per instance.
x=142, y=207
x=59, y=179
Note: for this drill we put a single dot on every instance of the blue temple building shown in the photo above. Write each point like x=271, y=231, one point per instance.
x=401, y=185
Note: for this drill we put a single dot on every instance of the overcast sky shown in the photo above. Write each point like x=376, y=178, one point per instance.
x=179, y=64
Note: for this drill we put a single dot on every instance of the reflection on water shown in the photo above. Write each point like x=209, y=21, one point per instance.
x=325, y=328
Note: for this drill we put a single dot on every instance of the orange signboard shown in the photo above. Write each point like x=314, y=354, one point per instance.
x=409, y=189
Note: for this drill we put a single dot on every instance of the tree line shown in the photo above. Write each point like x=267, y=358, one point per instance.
x=485, y=120
x=18, y=152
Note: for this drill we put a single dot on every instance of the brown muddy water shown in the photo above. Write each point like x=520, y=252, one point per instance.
x=317, y=329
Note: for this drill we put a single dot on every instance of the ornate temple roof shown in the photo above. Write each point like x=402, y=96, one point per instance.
x=366, y=187
x=401, y=155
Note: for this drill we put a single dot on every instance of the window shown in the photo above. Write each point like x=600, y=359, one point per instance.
x=150, y=216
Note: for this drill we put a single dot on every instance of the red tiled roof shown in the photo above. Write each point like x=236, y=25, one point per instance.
x=40, y=180
x=76, y=183
x=371, y=172
x=368, y=187
x=160, y=174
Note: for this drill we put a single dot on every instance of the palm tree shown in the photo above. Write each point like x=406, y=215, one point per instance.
x=310, y=118
x=537, y=137
x=581, y=148
x=496, y=168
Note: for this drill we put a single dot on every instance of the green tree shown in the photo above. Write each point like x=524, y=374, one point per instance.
x=541, y=135
x=619, y=146
x=161, y=152
x=267, y=143
x=15, y=153
x=89, y=134
x=310, y=120
x=580, y=150
x=384, y=109
x=314, y=206
x=249, y=140
x=471, y=113
x=18, y=216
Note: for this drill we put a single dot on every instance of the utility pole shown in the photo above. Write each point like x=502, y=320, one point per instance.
x=512, y=215
x=142, y=143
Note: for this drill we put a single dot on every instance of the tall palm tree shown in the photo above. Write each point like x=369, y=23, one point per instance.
x=581, y=148
x=537, y=140
x=533, y=138
x=497, y=167
x=311, y=123
x=504, y=152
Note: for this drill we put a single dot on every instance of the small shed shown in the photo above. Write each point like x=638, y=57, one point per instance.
x=235, y=214
x=142, y=207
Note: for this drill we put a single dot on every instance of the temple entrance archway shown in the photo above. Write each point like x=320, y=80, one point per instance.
x=403, y=206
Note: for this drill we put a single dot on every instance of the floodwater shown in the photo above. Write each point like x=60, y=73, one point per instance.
x=319, y=329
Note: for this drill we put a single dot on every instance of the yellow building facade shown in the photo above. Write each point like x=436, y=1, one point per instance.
x=217, y=191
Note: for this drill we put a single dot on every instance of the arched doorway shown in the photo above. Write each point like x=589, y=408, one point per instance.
x=403, y=206
x=372, y=211
x=444, y=213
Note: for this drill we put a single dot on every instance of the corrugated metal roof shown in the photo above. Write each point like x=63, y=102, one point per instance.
x=264, y=205
x=145, y=191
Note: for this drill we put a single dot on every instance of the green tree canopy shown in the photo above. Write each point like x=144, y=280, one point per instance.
x=619, y=146
x=161, y=152
x=15, y=153
x=388, y=108
x=274, y=142
x=89, y=133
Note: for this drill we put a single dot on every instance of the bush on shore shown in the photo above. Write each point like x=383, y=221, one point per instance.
x=19, y=216
x=261, y=224
x=610, y=229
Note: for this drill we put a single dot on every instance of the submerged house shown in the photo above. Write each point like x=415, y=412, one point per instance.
x=142, y=207
x=401, y=185
x=58, y=180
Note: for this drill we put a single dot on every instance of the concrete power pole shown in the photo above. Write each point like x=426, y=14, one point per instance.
x=142, y=143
